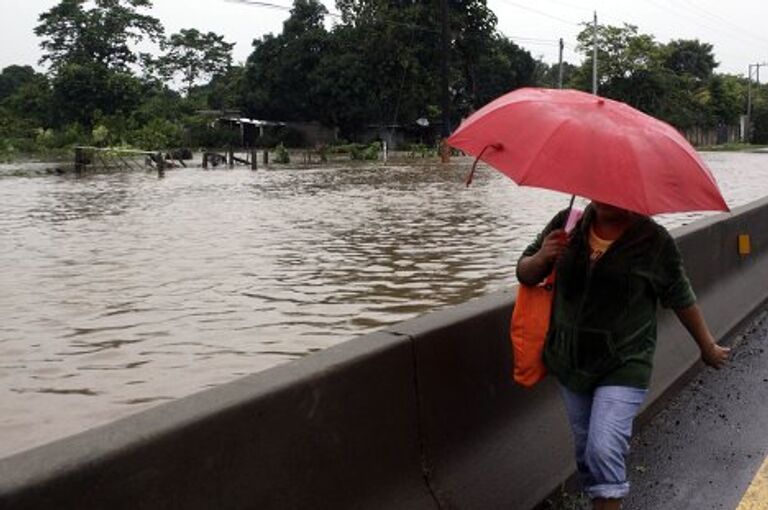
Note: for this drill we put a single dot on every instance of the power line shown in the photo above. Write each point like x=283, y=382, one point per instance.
x=572, y=6
x=720, y=19
x=686, y=13
x=259, y=3
x=522, y=39
x=540, y=13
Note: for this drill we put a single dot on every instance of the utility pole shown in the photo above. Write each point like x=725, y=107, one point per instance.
x=560, y=67
x=748, y=128
x=594, y=56
x=445, y=153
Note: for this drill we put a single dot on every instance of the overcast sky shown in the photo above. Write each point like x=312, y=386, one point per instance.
x=738, y=29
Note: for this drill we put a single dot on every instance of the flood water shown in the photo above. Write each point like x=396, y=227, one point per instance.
x=122, y=290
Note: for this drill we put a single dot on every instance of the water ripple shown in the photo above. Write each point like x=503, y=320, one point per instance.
x=121, y=290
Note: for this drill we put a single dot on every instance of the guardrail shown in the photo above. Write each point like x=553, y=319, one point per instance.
x=420, y=415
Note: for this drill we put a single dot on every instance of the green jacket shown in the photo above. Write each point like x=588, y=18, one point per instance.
x=603, y=326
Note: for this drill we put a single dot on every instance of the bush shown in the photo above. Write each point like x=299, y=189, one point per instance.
x=287, y=136
x=101, y=136
x=158, y=134
x=201, y=134
x=71, y=135
x=7, y=150
x=45, y=138
x=281, y=154
x=760, y=126
x=420, y=150
x=365, y=152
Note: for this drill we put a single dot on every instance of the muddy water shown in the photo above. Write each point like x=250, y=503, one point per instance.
x=121, y=291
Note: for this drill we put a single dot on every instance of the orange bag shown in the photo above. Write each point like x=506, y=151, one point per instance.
x=528, y=331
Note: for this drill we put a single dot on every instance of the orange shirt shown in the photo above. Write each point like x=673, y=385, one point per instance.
x=597, y=245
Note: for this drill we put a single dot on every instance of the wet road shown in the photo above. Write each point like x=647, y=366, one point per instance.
x=708, y=448
x=703, y=451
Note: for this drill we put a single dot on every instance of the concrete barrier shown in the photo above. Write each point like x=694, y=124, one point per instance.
x=420, y=415
x=336, y=430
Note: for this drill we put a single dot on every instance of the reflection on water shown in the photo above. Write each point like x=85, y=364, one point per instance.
x=121, y=291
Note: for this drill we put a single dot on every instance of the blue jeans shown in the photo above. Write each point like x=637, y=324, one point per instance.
x=601, y=422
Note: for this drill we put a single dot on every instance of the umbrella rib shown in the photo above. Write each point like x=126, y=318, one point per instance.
x=708, y=173
x=545, y=141
x=643, y=186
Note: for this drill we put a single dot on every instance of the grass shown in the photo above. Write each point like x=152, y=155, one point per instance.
x=732, y=147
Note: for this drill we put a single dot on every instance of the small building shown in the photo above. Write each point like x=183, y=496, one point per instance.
x=257, y=132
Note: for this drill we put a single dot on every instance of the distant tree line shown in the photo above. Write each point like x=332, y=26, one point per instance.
x=379, y=64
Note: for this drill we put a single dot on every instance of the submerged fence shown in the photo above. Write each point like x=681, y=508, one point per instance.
x=101, y=158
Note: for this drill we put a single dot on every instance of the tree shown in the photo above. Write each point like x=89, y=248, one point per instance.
x=88, y=45
x=102, y=34
x=223, y=92
x=621, y=53
x=690, y=57
x=503, y=66
x=14, y=77
x=547, y=75
x=83, y=92
x=725, y=96
x=276, y=83
x=195, y=56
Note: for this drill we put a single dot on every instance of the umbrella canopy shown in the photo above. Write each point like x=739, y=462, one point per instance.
x=578, y=143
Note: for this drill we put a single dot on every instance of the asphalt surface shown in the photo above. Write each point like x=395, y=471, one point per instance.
x=703, y=449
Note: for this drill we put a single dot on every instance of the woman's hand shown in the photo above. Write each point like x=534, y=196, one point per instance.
x=712, y=354
x=553, y=245
x=532, y=270
x=715, y=355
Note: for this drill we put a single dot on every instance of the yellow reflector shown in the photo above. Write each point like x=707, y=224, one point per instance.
x=744, y=246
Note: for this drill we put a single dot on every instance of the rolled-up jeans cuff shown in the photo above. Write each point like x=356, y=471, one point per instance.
x=608, y=490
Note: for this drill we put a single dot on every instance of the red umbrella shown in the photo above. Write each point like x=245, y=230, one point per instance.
x=578, y=143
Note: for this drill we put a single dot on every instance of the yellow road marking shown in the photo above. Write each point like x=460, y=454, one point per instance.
x=756, y=497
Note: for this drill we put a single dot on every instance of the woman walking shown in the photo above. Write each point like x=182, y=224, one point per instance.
x=611, y=273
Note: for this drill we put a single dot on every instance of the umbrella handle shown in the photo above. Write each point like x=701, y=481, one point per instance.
x=496, y=146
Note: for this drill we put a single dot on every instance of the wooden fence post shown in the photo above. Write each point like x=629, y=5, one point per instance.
x=160, y=164
x=79, y=160
x=254, y=160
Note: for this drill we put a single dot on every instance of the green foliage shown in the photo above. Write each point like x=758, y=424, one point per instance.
x=546, y=75
x=156, y=135
x=101, y=136
x=12, y=78
x=281, y=155
x=673, y=81
x=277, y=81
x=101, y=35
x=25, y=95
x=45, y=138
x=421, y=150
x=689, y=57
x=193, y=55
x=81, y=92
x=202, y=134
x=223, y=91
x=364, y=152
x=760, y=126
x=380, y=65
x=7, y=151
